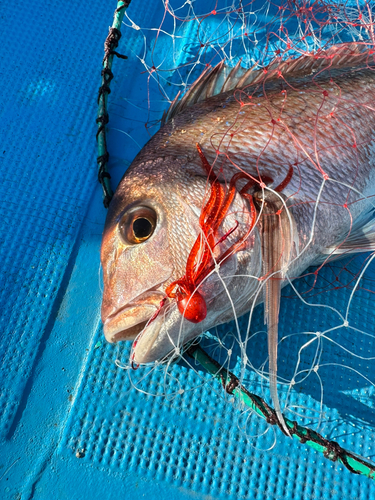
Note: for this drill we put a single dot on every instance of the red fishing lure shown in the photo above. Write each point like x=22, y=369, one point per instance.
x=201, y=262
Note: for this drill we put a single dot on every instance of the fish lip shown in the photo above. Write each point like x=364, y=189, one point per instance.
x=145, y=341
x=153, y=344
x=142, y=299
x=126, y=322
x=121, y=326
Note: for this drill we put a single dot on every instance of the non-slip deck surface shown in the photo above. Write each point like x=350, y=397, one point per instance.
x=71, y=425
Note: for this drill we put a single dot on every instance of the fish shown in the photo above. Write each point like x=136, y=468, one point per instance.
x=254, y=175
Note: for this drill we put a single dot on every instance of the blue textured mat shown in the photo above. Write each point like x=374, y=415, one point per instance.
x=71, y=425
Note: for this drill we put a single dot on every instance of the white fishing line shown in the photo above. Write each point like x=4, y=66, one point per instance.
x=171, y=60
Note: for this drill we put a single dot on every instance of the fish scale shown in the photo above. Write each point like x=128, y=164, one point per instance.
x=317, y=119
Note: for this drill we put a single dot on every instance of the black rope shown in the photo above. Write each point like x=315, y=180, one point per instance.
x=103, y=119
x=107, y=77
x=110, y=44
x=125, y=6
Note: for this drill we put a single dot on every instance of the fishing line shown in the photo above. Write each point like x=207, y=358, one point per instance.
x=184, y=75
x=330, y=449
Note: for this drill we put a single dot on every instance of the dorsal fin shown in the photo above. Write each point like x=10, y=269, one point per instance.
x=222, y=78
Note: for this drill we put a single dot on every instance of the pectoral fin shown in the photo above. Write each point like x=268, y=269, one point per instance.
x=276, y=228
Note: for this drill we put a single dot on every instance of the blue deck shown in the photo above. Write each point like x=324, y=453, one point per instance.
x=71, y=425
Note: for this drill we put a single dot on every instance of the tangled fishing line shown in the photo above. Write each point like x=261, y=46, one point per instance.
x=254, y=35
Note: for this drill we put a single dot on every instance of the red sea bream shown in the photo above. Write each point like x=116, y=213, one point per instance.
x=309, y=120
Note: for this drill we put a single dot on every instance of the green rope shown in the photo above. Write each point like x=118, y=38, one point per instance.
x=330, y=449
x=110, y=44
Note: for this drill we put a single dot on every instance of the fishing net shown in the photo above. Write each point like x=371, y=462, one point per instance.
x=326, y=352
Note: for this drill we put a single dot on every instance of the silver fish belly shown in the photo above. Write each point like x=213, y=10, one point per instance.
x=317, y=124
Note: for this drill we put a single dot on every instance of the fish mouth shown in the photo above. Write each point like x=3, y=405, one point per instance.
x=127, y=322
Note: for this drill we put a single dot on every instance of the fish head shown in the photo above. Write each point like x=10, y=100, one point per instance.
x=151, y=227
x=149, y=230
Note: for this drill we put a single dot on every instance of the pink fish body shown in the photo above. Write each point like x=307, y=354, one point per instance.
x=313, y=116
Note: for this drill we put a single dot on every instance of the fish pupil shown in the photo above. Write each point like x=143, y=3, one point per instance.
x=142, y=228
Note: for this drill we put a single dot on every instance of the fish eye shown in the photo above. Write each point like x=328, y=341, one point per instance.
x=138, y=225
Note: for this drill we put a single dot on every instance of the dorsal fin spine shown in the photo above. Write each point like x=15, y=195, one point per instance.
x=337, y=56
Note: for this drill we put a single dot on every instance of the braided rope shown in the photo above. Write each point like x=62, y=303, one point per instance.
x=110, y=45
x=330, y=449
